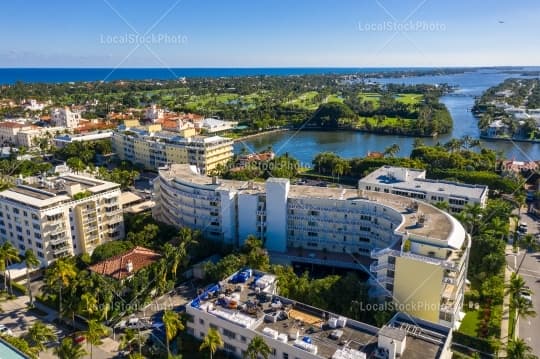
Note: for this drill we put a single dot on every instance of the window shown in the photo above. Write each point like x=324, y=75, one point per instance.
x=40, y=254
x=201, y=321
x=312, y=234
x=25, y=213
x=243, y=339
x=285, y=356
x=229, y=334
x=230, y=348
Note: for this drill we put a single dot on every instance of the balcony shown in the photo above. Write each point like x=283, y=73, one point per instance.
x=375, y=267
x=58, y=241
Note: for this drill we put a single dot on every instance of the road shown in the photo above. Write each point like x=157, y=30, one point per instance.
x=529, y=269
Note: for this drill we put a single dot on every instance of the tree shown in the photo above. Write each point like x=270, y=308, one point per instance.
x=128, y=337
x=94, y=333
x=515, y=286
x=68, y=349
x=30, y=261
x=89, y=304
x=8, y=255
x=59, y=275
x=39, y=334
x=76, y=164
x=212, y=341
x=172, y=324
x=518, y=349
x=392, y=150
x=524, y=309
x=257, y=347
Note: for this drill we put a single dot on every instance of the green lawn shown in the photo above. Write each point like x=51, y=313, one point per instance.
x=470, y=323
x=305, y=100
x=388, y=121
x=409, y=98
x=334, y=98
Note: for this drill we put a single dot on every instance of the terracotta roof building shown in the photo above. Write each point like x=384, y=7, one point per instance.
x=124, y=265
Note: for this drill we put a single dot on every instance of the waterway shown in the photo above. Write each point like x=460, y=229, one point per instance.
x=305, y=145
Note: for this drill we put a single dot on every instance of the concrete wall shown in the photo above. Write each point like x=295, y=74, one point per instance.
x=277, y=190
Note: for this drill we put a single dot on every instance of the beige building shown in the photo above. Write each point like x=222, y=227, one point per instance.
x=153, y=148
x=64, y=117
x=60, y=216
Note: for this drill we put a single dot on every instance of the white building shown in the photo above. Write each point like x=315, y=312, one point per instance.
x=59, y=216
x=63, y=140
x=385, y=234
x=246, y=305
x=64, y=117
x=412, y=183
x=30, y=137
x=33, y=105
x=212, y=125
x=154, y=113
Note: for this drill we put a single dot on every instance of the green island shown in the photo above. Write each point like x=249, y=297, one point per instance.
x=510, y=110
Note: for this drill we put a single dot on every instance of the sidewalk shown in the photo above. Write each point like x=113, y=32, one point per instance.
x=505, y=322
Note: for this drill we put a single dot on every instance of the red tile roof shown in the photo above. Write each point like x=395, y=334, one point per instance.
x=9, y=124
x=116, y=267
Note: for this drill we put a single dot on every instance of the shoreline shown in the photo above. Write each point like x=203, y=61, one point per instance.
x=487, y=138
x=247, y=137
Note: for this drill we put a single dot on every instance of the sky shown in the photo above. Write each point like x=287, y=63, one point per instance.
x=269, y=33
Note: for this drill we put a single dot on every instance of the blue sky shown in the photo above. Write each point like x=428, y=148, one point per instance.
x=263, y=33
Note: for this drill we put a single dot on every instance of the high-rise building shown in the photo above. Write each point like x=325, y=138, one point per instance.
x=58, y=216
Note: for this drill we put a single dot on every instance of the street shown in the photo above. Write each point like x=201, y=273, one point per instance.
x=528, y=264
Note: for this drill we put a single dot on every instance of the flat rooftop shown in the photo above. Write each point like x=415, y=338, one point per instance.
x=437, y=225
x=251, y=305
x=40, y=192
x=383, y=176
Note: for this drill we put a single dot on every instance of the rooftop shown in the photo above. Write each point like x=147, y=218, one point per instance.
x=41, y=192
x=438, y=224
x=413, y=180
x=123, y=265
x=248, y=300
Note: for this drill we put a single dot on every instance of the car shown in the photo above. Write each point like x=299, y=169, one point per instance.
x=5, y=330
x=523, y=227
x=79, y=339
x=526, y=294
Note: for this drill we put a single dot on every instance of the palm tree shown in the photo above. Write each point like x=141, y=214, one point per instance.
x=39, y=334
x=212, y=341
x=8, y=255
x=94, y=333
x=515, y=286
x=524, y=309
x=127, y=339
x=68, y=349
x=392, y=150
x=89, y=303
x=30, y=261
x=172, y=324
x=518, y=349
x=257, y=347
x=61, y=274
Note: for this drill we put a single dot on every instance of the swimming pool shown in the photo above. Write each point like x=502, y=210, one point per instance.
x=6, y=352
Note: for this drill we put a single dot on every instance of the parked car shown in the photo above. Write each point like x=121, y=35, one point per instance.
x=526, y=294
x=5, y=330
x=523, y=227
x=79, y=339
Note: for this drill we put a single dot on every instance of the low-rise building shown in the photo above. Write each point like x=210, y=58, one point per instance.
x=412, y=183
x=247, y=304
x=152, y=148
x=417, y=254
x=59, y=216
x=124, y=265
x=63, y=140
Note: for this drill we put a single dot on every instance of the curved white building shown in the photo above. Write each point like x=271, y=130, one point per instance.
x=416, y=253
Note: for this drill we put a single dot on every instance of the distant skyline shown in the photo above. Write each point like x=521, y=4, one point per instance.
x=266, y=33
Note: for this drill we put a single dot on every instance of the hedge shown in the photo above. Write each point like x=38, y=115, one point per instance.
x=483, y=345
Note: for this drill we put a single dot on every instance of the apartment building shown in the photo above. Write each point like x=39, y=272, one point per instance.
x=153, y=148
x=415, y=253
x=412, y=183
x=247, y=304
x=64, y=117
x=59, y=216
